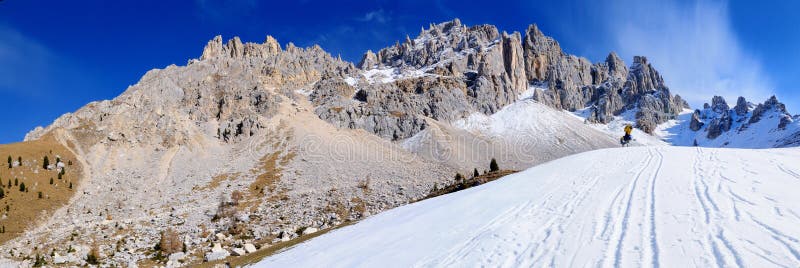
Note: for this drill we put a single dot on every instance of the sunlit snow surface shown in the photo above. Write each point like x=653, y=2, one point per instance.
x=629, y=207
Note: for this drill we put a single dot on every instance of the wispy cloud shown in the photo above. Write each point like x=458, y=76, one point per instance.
x=693, y=45
x=375, y=16
x=28, y=63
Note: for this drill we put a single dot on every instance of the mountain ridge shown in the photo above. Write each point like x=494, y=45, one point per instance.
x=311, y=141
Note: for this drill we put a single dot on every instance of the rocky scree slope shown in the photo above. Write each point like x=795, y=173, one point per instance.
x=249, y=117
x=171, y=150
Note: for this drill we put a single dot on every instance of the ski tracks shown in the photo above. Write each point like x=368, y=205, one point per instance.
x=621, y=210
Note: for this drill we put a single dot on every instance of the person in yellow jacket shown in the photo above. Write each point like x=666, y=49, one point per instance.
x=627, y=138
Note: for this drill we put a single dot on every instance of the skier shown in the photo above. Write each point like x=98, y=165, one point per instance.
x=627, y=138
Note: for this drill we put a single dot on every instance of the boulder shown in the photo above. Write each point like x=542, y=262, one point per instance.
x=216, y=255
x=238, y=251
x=177, y=256
x=250, y=248
x=310, y=230
x=58, y=259
x=220, y=237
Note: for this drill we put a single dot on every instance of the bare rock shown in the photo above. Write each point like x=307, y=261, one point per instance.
x=785, y=120
x=368, y=61
x=238, y=251
x=250, y=248
x=696, y=124
x=719, y=125
x=309, y=230
x=718, y=104
x=742, y=107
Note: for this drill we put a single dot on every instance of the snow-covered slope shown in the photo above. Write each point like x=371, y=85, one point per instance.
x=638, y=206
x=616, y=127
x=519, y=136
x=765, y=133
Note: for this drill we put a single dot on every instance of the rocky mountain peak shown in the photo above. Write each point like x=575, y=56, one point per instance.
x=213, y=49
x=616, y=67
x=742, y=107
x=719, y=105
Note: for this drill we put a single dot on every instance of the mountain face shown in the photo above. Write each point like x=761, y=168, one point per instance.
x=253, y=142
x=745, y=125
x=491, y=70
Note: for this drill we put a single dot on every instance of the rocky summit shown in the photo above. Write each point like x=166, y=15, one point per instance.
x=251, y=145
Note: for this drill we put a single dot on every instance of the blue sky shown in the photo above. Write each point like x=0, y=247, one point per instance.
x=56, y=56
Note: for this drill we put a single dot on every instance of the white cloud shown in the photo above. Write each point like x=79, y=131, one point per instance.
x=693, y=45
x=376, y=16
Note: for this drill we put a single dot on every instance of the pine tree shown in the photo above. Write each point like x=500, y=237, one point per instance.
x=70, y=185
x=493, y=166
x=22, y=187
x=58, y=160
x=60, y=176
x=45, y=163
x=459, y=177
x=2, y=193
x=475, y=173
x=63, y=170
x=19, y=159
x=40, y=195
x=16, y=182
x=51, y=181
x=9, y=161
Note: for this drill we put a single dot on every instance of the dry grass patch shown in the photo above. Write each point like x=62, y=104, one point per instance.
x=469, y=183
x=25, y=209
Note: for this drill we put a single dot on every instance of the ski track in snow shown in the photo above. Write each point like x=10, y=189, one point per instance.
x=628, y=207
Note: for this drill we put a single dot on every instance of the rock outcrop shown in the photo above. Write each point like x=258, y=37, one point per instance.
x=742, y=107
x=718, y=118
x=695, y=124
x=492, y=69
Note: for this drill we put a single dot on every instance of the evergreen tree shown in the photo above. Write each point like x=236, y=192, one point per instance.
x=51, y=181
x=22, y=187
x=19, y=159
x=63, y=170
x=459, y=177
x=493, y=166
x=40, y=195
x=9, y=161
x=70, y=185
x=2, y=193
x=45, y=163
x=16, y=182
x=58, y=159
x=60, y=176
x=475, y=173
